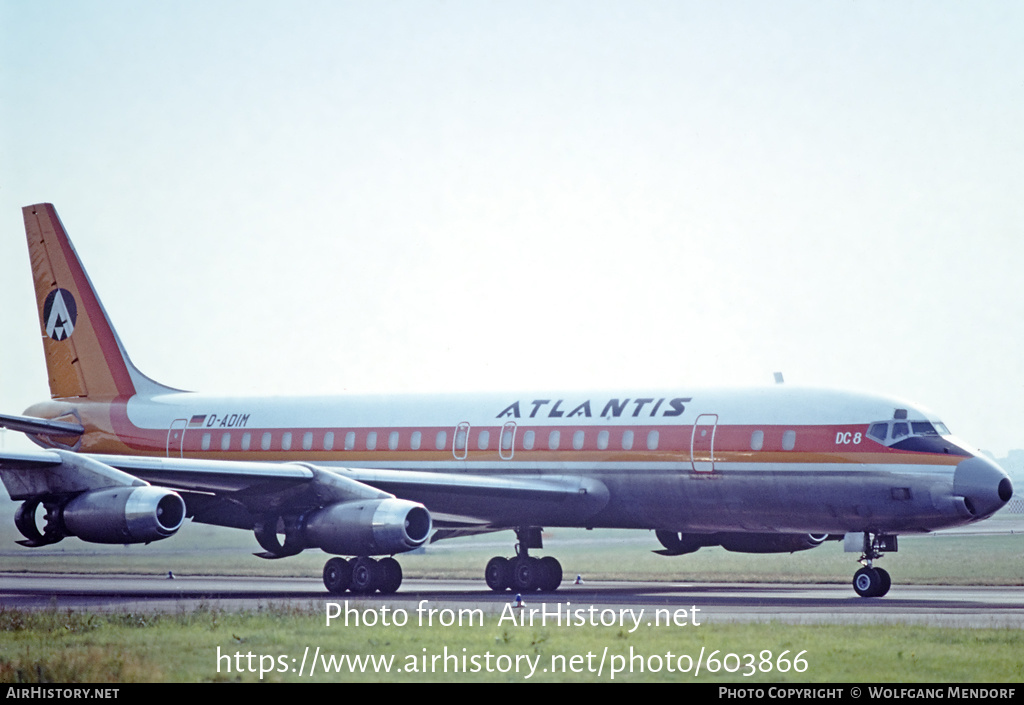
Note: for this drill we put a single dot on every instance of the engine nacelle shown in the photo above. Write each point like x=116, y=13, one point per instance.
x=770, y=543
x=677, y=544
x=369, y=527
x=124, y=515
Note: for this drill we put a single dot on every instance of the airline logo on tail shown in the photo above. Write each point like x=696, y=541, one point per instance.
x=60, y=313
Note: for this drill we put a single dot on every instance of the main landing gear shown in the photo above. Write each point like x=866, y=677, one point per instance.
x=524, y=573
x=362, y=575
x=870, y=581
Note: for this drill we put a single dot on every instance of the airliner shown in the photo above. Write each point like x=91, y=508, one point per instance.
x=775, y=469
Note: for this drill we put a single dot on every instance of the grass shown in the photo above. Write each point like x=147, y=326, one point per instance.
x=66, y=647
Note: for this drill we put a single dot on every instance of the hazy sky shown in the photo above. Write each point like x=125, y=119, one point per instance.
x=319, y=197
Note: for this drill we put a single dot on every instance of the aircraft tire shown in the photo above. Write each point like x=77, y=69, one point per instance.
x=886, y=582
x=498, y=574
x=551, y=574
x=366, y=576
x=390, y=575
x=337, y=575
x=867, y=582
x=526, y=574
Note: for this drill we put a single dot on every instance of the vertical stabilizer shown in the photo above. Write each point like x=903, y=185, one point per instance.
x=84, y=357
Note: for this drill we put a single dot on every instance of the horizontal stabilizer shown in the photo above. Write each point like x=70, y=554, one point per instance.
x=30, y=424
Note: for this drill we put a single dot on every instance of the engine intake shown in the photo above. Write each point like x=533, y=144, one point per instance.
x=124, y=515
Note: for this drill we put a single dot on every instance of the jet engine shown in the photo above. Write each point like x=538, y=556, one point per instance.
x=123, y=515
x=368, y=527
x=677, y=544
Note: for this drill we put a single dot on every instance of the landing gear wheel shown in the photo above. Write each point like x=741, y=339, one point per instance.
x=551, y=574
x=886, y=582
x=365, y=576
x=337, y=575
x=498, y=574
x=390, y=575
x=526, y=574
x=868, y=582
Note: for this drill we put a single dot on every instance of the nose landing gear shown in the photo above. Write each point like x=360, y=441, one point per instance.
x=870, y=581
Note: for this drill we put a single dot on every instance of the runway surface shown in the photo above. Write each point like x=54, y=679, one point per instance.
x=714, y=602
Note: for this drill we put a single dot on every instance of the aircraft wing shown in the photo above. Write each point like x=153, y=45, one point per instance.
x=239, y=493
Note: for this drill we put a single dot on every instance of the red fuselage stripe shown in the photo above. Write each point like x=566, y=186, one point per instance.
x=811, y=444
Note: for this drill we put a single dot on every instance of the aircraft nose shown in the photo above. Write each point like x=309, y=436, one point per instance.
x=983, y=485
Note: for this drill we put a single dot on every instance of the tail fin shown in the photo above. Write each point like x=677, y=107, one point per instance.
x=84, y=356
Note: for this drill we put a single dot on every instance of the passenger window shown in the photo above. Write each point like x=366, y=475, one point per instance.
x=350, y=440
x=577, y=440
x=627, y=440
x=225, y=441
x=554, y=438
x=528, y=439
x=393, y=440
x=602, y=440
x=246, y=440
x=371, y=440
x=329, y=440
x=307, y=440
x=652, y=440
x=265, y=441
x=483, y=440
x=441, y=442
x=789, y=440
x=417, y=438
x=286, y=441
x=757, y=440
x=206, y=441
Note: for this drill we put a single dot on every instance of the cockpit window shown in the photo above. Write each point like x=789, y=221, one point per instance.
x=921, y=436
x=878, y=431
